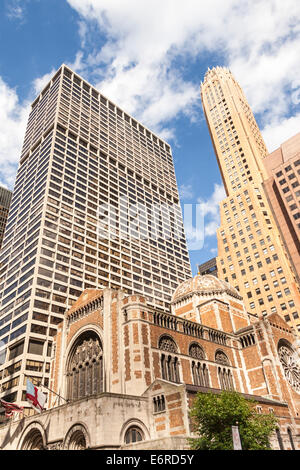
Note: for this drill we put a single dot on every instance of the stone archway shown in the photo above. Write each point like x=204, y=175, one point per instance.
x=33, y=440
x=77, y=438
x=77, y=441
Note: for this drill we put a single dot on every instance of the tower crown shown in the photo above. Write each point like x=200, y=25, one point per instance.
x=210, y=73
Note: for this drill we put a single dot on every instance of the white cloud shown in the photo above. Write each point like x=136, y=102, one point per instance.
x=40, y=82
x=149, y=46
x=13, y=118
x=186, y=191
x=138, y=64
x=202, y=219
x=15, y=9
x=278, y=132
x=210, y=209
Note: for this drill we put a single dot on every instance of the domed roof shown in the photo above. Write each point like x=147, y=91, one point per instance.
x=204, y=285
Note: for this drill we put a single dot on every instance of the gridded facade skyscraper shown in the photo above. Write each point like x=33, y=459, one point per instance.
x=82, y=152
x=251, y=254
x=5, y=199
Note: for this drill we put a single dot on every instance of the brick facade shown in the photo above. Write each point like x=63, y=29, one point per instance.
x=154, y=363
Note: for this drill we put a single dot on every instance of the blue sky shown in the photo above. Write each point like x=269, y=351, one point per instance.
x=150, y=57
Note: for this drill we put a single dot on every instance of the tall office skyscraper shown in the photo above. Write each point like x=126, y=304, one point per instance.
x=5, y=199
x=251, y=254
x=95, y=205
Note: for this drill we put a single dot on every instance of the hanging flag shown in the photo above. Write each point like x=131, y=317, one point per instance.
x=36, y=398
x=10, y=408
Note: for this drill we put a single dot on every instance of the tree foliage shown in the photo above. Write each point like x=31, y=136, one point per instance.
x=213, y=415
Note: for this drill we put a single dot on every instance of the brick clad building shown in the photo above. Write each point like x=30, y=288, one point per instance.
x=130, y=372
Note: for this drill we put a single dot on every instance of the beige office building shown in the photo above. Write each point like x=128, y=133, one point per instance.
x=251, y=253
x=95, y=205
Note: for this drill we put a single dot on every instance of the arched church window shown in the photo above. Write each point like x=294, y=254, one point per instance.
x=166, y=343
x=196, y=351
x=200, y=374
x=133, y=434
x=221, y=358
x=170, y=368
x=224, y=373
x=85, y=367
x=169, y=362
x=290, y=362
x=225, y=378
x=159, y=403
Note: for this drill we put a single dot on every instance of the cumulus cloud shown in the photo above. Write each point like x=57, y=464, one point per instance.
x=139, y=54
x=40, y=82
x=210, y=209
x=278, y=131
x=13, y=118
x=137, y=65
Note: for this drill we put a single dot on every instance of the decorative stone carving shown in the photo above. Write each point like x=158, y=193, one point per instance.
x=85, y=351
x=167, y=344
x=291, y=366
x=196, y=351
x=221, y=358
x=55, y=446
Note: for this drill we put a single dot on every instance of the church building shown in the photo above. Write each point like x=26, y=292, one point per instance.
x=125, y=374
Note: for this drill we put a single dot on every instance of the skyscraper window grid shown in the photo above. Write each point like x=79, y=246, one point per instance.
x=80, y=152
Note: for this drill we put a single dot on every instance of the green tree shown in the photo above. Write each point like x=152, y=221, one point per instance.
x=214, y=414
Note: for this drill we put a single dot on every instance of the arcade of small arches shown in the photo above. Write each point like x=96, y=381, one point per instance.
x=77, y=438
x=247, y=340
x=84, y=366
x=170, y=364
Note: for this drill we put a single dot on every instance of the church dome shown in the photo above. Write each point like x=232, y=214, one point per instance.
x=204, y=285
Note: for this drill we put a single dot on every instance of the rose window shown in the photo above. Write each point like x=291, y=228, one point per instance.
x=291, y=366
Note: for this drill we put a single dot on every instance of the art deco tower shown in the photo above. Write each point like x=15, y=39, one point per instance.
x=82, y=153
x=251, y=255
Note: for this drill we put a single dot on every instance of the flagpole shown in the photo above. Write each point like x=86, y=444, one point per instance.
x=54, y=392
x=43, y=385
